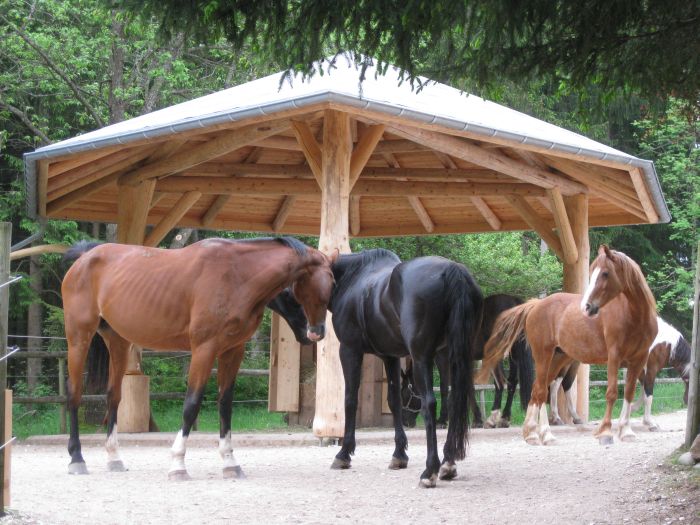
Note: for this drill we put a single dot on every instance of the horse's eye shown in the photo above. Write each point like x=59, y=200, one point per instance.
x=604, y=274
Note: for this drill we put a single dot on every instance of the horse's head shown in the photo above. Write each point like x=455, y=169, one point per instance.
x=606, y=281
x=410, y=401
x=313, y=288
x=292, y=312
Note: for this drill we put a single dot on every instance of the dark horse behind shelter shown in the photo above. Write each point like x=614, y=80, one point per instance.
x=391, y=309
x=521, y=371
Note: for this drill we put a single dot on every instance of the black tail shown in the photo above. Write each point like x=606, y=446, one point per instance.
x=466, y=309
x=522, y=354
x=97, y=366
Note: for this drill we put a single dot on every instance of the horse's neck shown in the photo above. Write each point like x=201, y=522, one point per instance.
x=643, y=313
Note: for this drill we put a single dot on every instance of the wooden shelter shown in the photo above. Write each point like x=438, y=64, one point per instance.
x=329, y=156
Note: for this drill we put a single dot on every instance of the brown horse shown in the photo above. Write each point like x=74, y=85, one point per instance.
x=614, y=322
x=208, y=297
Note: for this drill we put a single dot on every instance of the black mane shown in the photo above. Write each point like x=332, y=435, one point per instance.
x=290, y=242
x=348, y=265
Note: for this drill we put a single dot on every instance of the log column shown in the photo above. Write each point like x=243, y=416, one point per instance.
x=329, y=419
x=132, y=210
x=576, y=281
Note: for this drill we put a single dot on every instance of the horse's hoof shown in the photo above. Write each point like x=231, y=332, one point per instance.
x=78, y=468
x=556, y=422
x=396, y=463
x=234, y=472
x=504, y=423
x=577, y=421
x=605, y=440
x=428, y=483
x=628, y=438
x=533, y=439
x=487, y=424
x=447, y=471
x=654, y=428
x=439, y=424
x=340, y=464
x=548, y=439
x=116, y=466
x=178, y=475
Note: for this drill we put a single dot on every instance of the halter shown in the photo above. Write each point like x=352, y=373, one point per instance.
x=407, y=405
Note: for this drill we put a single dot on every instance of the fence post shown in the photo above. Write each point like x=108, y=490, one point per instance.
x=693, y=418
x=5, y=235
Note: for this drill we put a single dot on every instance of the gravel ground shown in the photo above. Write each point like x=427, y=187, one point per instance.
x=503, y=480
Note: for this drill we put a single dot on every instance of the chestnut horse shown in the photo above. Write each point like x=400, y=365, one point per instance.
x=614, y=322
x=208, y=298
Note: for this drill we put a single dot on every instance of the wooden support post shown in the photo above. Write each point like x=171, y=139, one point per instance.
x=329, y=419
x=135, y=414
x=285, y=361
x=575, y=281
x=693, y=418
x=5, y=237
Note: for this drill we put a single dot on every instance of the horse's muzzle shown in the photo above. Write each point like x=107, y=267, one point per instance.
x=591, y=310
x=316, y=332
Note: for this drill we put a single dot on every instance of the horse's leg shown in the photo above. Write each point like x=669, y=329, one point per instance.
x=399, y=458
x=625, y=429
x=118, y=354
x=543, y=359
x=423, y=377
x=351, y=361
x=512, y=386
x=229, y=363
x=442, y=360
x=647, y=379
x=494, y=418
x=78, y=336
x=554, y=417
x=474, y=406
x=604, y=430
x=200, y=369
x=567, y=383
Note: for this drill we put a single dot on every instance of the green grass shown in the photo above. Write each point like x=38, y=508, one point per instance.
x=254, y=417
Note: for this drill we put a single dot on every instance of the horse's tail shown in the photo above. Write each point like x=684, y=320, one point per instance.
x=77, y=250
x=97, y=366
x=526, y=370
x=509, y=326
x=466, y=309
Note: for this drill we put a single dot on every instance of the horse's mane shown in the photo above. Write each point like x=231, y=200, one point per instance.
x=633, y=278
x=290, y=242
x=352, y=263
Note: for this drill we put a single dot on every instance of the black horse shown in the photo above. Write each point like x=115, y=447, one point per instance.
x=420, y=308
x=521, y=367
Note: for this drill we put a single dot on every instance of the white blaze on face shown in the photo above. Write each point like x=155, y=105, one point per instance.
x=589, y=290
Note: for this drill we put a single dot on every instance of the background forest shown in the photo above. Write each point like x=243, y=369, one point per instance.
x=71, y=66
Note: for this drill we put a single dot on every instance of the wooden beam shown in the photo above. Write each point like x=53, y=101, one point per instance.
x=561, y=219
x=486, y=212
x=283, y=212
x=267, y=186
x=644, y=196
x=355, y=218
x=38, y=250
x=422, y=214
x=133, y=204
x=385, y=146
x=206, y=151
x=214, y=209
x=157, y=197
x=466, y=150
x=363, y=150
x=78, y=179
x=446, y=160
x=605, y=187
x=171, y=218
x=536, y=223
x=335, y=197
x=42, y=186
x=56, y=168
x=310, y=147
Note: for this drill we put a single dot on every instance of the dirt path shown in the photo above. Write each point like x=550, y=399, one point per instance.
x=503, y=480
